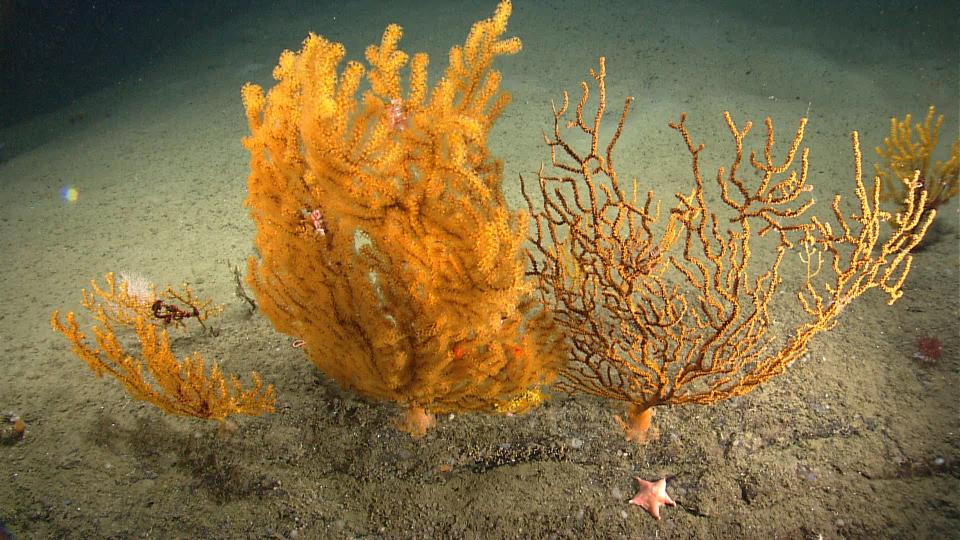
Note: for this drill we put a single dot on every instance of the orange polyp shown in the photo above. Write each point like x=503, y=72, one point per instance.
x=416, y=421
x=637, y=426
x=19, y=428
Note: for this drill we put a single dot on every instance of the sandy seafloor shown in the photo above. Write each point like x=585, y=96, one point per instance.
x=859, y=440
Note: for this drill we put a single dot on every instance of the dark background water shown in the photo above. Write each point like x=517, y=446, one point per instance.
x=54, y=51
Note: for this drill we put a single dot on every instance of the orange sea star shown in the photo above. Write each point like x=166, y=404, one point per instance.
x=652, y=495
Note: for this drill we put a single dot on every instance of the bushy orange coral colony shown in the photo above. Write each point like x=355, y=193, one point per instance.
x=385, y=244
x=412, y=289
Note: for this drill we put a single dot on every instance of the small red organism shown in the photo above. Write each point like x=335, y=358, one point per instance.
x=316, y=219
x=397, y=115
x=929, y=349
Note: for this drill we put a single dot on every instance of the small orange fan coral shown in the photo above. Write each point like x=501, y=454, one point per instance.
x=903, y=157
x=184, y=387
